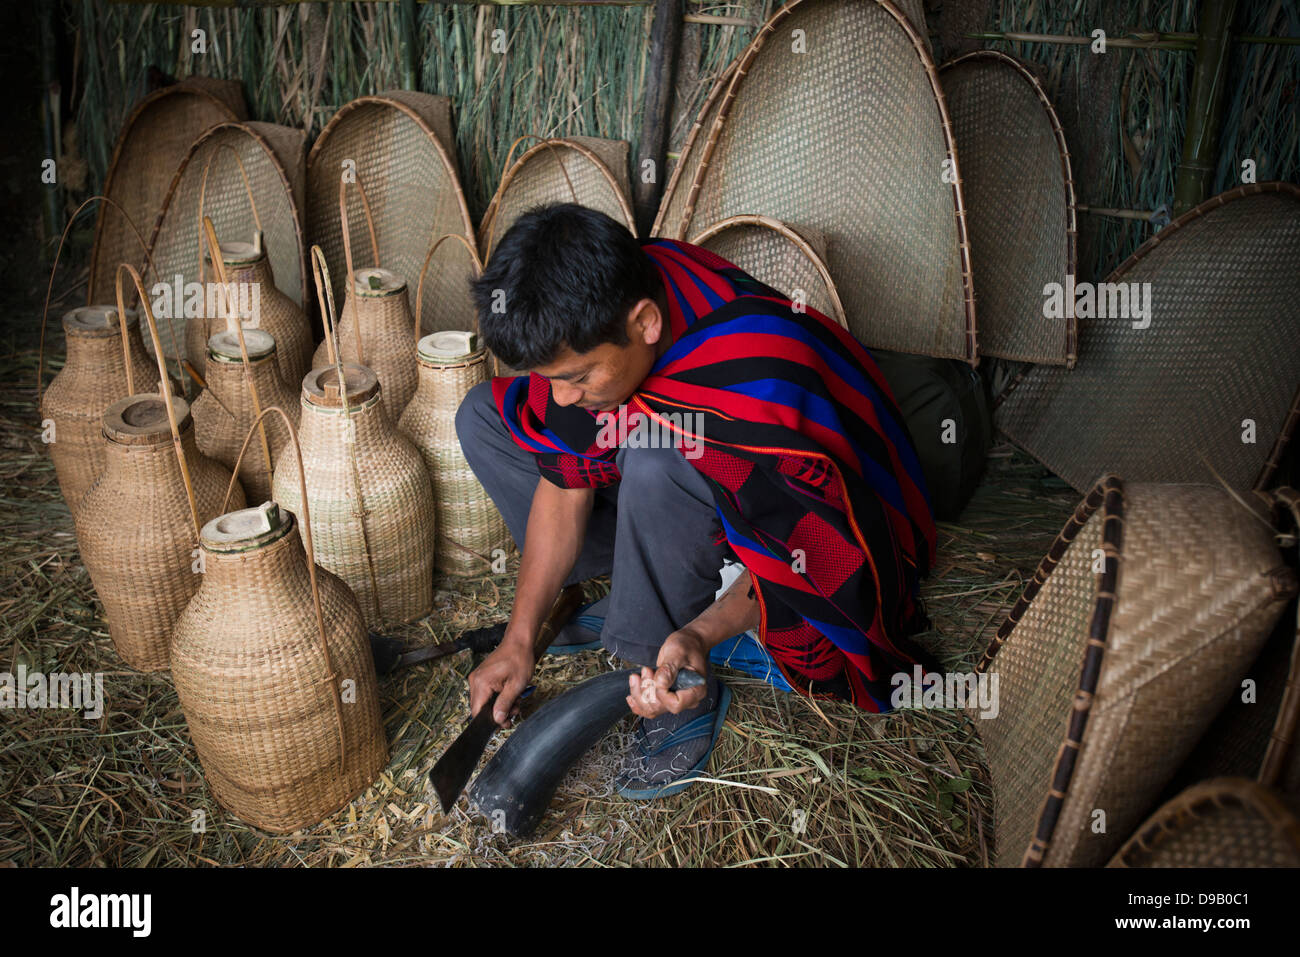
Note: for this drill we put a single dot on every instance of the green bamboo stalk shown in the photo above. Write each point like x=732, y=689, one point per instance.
x=1205, y=109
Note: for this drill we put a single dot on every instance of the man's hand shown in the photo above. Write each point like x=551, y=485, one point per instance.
x=505, y=671
x=648, y=692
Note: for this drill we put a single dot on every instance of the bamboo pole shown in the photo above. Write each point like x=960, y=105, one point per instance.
x=1136, y=39
x=1205, y=109
x=409, y=44
x=665, y=39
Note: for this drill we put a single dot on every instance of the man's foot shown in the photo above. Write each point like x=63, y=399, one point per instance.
x=582, y=631
x=668, y=751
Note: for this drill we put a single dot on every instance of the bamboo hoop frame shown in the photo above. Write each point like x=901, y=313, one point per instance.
x=789, y=233
x=1282, y=738
x=419, y=285
x=1107, y=494
x=1067, y=174
x=920, y=46
x=349, y=290
x=330, y=677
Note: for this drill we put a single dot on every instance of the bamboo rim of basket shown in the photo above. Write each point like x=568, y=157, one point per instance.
x=1108, y=495
x=330, y=677
x=554, y=144
x=163, y=388
x=448, y=161
x=1067, y=174
x=1281, y=739
x=325, y=296
x=348, y=291
x=49, y=290
x=1207, y=795
x=719, y=87
x=276, y=165
x=788, y=232
x=177, y=89
x=920, y=47
x=233, y=320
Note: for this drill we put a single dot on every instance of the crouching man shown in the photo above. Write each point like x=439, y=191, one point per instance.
x=678, y=413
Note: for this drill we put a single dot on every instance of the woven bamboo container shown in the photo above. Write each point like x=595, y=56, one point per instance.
x=225, y=409
x=275, y=675
x=1224, y=822
x=1132, y=635
x=93, y=377
x=371, y=499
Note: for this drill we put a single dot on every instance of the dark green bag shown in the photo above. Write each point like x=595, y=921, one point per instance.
x=928, y=392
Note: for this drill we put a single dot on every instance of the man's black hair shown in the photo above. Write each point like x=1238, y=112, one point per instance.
x=562, y=275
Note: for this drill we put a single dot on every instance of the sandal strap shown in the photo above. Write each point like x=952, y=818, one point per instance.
x=701, y=727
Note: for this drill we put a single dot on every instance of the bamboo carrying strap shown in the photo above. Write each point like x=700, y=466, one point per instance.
x=419, y=284
x=121, y=315
x=349, y=291
x=204, y=220
x=329, y=676
x=325, y=296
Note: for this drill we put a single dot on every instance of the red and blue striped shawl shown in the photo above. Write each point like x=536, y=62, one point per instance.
x=815, y=478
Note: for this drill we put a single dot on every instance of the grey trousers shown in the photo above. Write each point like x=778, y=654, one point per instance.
x=656, y=532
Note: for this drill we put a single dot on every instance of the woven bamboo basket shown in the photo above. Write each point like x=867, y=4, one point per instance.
x=580, y=169
x=248, y=179
x=93, y=377
x=470, y=527
x=275, y=675
x=1133, y=633
x=1225, y=822
x=375, y=329
x=154, y=140
x=138, y=523
x=791, y=261
x=400, y=144
x=1219, y=361
x=670, y=220
x=1019, y=189
x=849, y=135
x=224, y=410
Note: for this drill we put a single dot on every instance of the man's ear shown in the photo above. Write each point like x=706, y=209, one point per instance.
x=646, y=322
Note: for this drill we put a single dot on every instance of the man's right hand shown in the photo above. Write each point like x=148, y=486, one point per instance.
x=505, y=671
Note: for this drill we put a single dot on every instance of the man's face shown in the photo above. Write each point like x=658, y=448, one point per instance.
x=605, y=377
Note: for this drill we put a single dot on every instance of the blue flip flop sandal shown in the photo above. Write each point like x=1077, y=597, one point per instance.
x=706, y=725
x=591, y=623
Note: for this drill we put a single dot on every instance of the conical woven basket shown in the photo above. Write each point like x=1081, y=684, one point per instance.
x=150, y=148
x=1226, y=822
x=580, y=169
x=670, y=221
x=843, y=129
x=1135, y=630
x=93, y=377
x=469, y=526
x=1019, y=192
x=275, y=675
x=1202, y=392
x=248, y=179
x=138, y=525
x=400, y=145
x=371, y=499
x=224, y=410
x=791, y=261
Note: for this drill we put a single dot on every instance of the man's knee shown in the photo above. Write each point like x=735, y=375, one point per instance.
x=654, y=476
x=476, y=414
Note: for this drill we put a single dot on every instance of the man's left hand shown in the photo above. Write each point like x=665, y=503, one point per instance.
x=648, y=692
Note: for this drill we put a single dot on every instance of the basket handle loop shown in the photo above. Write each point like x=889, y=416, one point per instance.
x=419, y=285
x=1281, y=740
x=237, y=326
x=506, y=177
x=348, y=291
x=164, y=388
x=248, y=190
x=49, y=289
x=330, y=676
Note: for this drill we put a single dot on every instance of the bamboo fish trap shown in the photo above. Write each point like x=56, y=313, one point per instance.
x=585, y=170
x=138, y=524
x=1226, y=822
x=401, y=145
x=469, y=526
x=372, y=510
x=374, y=330
x=154, y=140
x=844, y=129
x=1198, y=388
x=274, y=671
x=1133, y=633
